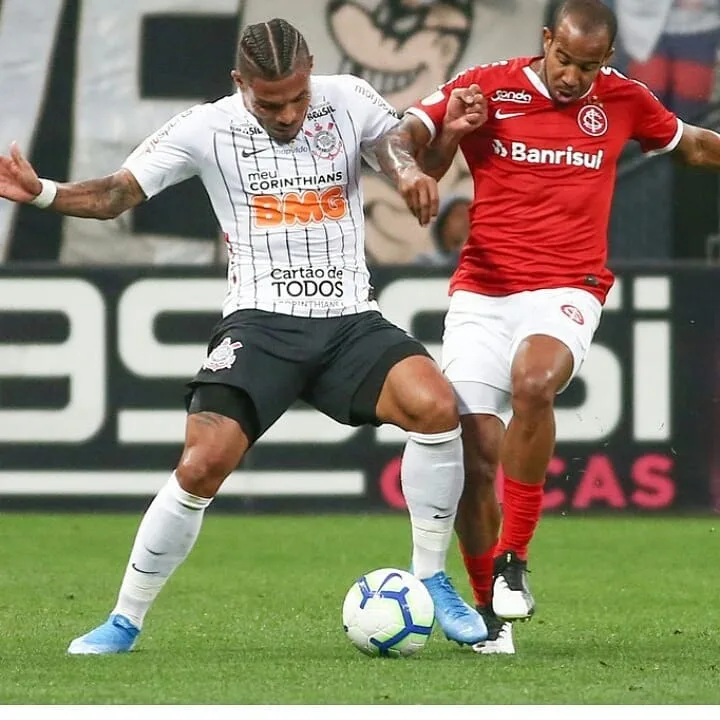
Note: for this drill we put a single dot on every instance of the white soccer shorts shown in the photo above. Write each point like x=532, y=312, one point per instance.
x=483, y=333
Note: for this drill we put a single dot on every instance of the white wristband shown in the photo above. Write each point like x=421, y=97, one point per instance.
x=46, y=196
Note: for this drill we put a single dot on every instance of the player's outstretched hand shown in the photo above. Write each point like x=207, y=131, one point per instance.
x=18, y=179
x=420, y=193
x=466, y=111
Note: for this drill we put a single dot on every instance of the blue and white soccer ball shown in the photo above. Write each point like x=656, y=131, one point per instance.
x=388, y=612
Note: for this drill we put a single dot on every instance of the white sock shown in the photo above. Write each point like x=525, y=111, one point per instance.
x=164, y=539
x=432, y=478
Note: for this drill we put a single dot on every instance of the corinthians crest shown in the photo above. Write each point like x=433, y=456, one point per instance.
x=223, y=356
x=324, y=140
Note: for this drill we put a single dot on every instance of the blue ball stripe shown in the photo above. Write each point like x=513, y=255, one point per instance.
x=400, y=596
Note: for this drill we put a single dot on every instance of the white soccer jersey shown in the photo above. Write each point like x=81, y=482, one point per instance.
x=292, y=213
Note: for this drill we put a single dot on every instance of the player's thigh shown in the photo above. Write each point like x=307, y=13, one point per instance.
x=568, y=315
x=476, y=352
x=250, y=352
x=364, y=350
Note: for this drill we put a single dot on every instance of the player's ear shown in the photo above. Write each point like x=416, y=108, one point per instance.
x=547, y=39
x=311, y=63
x=610, y=55
x=237, y=78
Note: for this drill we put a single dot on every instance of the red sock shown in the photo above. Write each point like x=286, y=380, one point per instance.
x=522, y=504
x=480, y=571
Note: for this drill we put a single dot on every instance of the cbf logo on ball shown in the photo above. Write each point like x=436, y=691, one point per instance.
x=324, y=140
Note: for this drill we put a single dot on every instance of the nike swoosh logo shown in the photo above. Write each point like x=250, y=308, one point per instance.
x=144, y=572
x=156, y=554
x=250, y=153
x=442, y=517
x=500, y=115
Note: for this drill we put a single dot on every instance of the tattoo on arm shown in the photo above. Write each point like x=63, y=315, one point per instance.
x=102, y=198
x=409, y=145
x=398, y=149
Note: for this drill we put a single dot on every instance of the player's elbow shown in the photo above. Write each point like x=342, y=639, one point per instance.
x=107, y=214
x=695, y=156
x=699, y=147
x=113, y=208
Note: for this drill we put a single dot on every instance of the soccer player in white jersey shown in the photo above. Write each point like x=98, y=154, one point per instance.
x=280, y=160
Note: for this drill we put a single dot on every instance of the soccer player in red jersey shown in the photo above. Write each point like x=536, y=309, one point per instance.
x=542, y=137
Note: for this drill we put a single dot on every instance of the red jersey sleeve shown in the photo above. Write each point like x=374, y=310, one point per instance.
x=656, y=128
x=431, y=110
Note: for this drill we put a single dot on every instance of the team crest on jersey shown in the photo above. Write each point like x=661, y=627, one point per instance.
x=324, y=141
x=223, y=356
x=573, y=313
x=592, y=120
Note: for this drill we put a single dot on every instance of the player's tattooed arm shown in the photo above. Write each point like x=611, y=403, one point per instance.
x=102, y=198
x=409, y=143
x=699, y=147
x=397, y=152
x=409, y=146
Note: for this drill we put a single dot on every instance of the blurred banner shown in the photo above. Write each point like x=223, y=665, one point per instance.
x=93, y=365
x=85, y=81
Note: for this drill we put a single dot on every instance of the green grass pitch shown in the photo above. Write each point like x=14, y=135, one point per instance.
x=628, y=612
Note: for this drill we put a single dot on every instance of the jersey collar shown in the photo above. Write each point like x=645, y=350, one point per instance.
x=539, y=85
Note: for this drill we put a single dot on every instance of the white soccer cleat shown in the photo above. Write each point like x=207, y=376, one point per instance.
x=500, y=635
x=512, y=599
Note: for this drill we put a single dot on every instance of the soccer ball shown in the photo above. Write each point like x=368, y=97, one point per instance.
x=388, y=612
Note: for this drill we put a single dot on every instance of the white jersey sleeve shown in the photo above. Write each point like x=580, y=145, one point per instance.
x=376, y=116
x=170, y=155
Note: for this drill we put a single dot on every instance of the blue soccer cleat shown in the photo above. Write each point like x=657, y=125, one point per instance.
x=116, y=635
x=457, y=619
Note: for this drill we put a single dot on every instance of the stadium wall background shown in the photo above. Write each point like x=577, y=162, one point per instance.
x=90, y=79
x=93, y=362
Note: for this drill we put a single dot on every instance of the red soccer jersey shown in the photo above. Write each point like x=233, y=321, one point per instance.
x=544, y=175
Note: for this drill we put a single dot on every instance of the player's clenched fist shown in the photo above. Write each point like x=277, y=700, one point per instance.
x=467, y=110
x=420, y=193
x=18, y=179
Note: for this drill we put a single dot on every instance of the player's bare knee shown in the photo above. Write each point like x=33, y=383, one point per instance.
x=533, y=391
x=201, y=471
x=433, y=411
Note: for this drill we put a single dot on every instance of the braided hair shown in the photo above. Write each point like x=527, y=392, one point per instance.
x=270, y=50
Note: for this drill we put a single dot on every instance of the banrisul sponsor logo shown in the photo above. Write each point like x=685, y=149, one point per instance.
x=567, y=156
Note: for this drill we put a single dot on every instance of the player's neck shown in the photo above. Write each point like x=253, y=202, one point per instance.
x=538, y=67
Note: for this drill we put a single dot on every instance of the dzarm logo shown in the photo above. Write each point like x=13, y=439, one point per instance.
x=299, y=208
